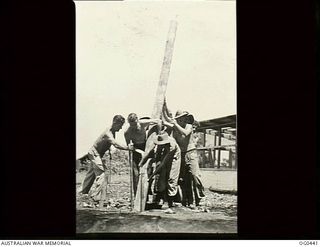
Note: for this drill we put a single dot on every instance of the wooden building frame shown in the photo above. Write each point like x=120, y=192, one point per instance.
x=219, y=127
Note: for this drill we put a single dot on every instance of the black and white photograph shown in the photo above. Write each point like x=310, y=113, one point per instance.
x=156, y=117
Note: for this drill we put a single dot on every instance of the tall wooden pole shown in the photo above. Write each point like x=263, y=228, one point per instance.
x=164, y=75
x=142, y=190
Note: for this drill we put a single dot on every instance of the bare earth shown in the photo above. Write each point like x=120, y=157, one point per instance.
x=217, y=214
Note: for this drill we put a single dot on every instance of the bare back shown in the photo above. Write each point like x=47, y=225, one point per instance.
x=104, y=141
x=185, y=143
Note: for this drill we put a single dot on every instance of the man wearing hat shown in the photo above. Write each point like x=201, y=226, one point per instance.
x=137, y=134
x=166, y=155
x=192, y=188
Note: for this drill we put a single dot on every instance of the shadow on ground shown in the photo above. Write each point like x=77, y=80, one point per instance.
x=93, y=221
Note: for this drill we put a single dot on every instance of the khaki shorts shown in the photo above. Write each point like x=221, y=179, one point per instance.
x=95, y=158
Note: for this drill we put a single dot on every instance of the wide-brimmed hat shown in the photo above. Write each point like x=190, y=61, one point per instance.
x=142, y=118
x=180, y=113
x=162, y=139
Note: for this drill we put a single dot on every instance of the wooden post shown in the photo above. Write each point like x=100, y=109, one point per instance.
x=204, y=152
x=131, y=177
x=210, y=158
x=214, y=151
x=230, y=159
x=219, y=150
x=164, y=75
x=142, y=190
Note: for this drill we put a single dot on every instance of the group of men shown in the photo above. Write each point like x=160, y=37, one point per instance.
x=169, y=151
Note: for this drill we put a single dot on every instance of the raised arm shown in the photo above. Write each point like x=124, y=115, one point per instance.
x=184, y=131
x=149, y=151
x=146, y=122
x=145, y=157
x=167, y=119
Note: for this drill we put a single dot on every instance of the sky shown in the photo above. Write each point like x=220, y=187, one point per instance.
x=119, y=53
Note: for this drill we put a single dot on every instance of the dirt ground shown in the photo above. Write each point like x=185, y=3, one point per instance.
x=217, y=213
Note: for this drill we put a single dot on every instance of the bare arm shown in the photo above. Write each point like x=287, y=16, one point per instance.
x=145, y=157
x=149, y=149
x=169, y=126
x=184, y=131
x=145, y=122
x=171, y=122
x=115, y=143
x=167, y=120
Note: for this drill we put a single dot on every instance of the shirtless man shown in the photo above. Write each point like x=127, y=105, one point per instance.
x=102, y=144
x=137, y=134
x=192, y=188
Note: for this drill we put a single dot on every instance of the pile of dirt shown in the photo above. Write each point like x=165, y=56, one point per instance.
x=119, y=162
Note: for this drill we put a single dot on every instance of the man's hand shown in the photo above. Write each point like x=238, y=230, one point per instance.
x=165, y=123
x=172, y=122
x=131, y=147
x=157, y=121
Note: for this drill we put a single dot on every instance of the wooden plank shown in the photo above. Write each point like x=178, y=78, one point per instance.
x=164, y=75
x=142, y=189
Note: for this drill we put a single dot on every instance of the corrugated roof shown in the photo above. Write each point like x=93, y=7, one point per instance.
x=217, y=123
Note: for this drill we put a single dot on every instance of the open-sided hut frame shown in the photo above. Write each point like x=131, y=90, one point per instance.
x=219, y=128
